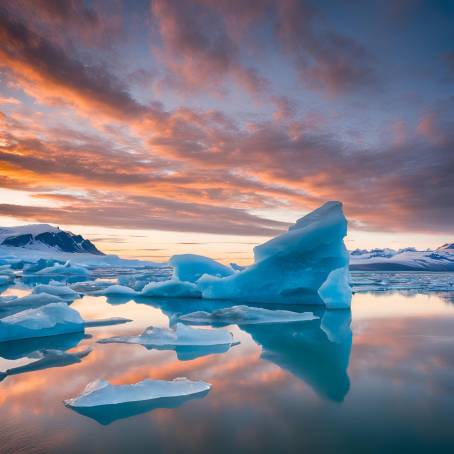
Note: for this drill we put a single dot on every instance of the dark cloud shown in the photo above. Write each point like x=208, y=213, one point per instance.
x=151, y=213
x=39, y=61
x=326, y=59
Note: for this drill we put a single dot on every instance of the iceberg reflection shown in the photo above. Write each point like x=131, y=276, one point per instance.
x=316, y=351
x=42, y=353
x=106, y=414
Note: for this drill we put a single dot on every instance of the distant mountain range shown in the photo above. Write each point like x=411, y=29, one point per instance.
x=38, y=236
x=440, y=259
x=46, y=237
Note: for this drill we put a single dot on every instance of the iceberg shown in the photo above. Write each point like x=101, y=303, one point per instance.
x=12, y=305
x=66, y=269
x=190, y=267
x=306, y=265
x=48, y=320
x=61, y=291
x=154, y=394
x=101, y=392
x=173, y=288
x=40, y=265
x=180, y=335
x=245, y=315
x=114, y=290
x=6, y=279
x=140, y=280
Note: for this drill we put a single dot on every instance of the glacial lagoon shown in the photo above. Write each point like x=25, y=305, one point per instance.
x=377, y=379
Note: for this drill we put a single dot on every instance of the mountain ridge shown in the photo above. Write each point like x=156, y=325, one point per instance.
x=38, y=235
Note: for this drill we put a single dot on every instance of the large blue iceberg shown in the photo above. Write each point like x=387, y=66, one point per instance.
x=306, y=265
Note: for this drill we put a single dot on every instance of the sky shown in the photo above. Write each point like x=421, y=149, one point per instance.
x=170, y=126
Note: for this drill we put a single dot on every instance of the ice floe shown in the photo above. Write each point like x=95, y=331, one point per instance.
x=295, y=267
x=61, y=291
x=114, y=290
x=179, y=335
x=101, y=392
x=173, y=288
x=64, y=270
x=246, y=315
x=48, y=320
x=190, y=267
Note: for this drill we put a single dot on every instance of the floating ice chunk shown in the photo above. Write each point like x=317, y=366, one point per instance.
x=7, y=299
x=173, y=288
x=245, y=315
x=292, y=267
x=190, y=267
x=64, y=270
x=116, y=289
x=33, y=300
x=49, y=320
x=61, y=291
x=40, y=265
x=140, y=280
x=336, y=290
x=106, y=322
x=101, y=392
x=6, y=270
x=90, y=286
x=6, y=280
x=178, y=336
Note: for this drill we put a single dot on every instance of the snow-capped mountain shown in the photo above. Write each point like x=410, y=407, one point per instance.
x=38, y=236
x=440, y=259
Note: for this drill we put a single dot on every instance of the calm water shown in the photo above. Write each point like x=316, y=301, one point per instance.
x=383, y=384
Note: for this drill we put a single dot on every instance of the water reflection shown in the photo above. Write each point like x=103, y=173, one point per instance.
x=46, y=359
x=316, y=351
x=40, y=353
x=22, y=348
x=106, y=414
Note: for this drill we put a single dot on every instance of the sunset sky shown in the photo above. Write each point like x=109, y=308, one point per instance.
x=207, y=126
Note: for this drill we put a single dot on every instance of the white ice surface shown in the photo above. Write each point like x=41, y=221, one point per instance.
x=32, y=254
x=190, y=267
x=246, y=315
x=101, y=392
x=180, y=335
x=33, y=300
x=61, y=291
x=49, y=320
x=64, y=270
x=172, y=288
x=116, y=289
